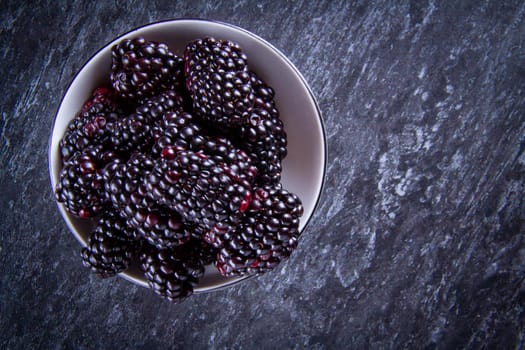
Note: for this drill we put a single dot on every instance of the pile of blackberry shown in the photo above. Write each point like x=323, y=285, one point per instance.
x=177, y=163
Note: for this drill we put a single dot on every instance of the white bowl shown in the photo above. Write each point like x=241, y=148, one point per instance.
x=304, y=167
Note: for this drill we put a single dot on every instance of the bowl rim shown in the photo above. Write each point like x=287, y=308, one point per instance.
x=233, y=280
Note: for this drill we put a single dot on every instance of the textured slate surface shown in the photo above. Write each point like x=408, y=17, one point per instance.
x=418, y=240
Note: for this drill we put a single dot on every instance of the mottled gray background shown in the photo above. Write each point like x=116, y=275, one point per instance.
x=419, y=238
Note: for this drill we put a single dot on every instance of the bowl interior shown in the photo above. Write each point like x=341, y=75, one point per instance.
x=304, y=166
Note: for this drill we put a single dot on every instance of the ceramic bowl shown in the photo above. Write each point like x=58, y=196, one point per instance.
x=303, y=168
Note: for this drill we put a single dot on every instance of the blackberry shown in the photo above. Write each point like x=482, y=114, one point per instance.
x=80, y=186
x=262, y=134
x=218, y=81
x=161, y=227
x=125, y=189
x=264, y=139
x=180, y=130
x=210, y=194
x=177, y=129
x=131, y=133
x=142, y=68
x=266, y=236
x=240, y=165
x=152, y=109
x=109, y=249
x=264, y=94
x=172, y=273
x=104, y=96
x=122, y=181
x=91, y=126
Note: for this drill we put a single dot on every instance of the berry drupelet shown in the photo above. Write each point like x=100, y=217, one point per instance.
x=142, y=68
x=145, y=217
x=161, y=227
x=172, y=273
x=131, y=133
x=182, y=131
x=177, y=128
x=208, y=193
x=122, y=181
x=218, y=81
x=266, y=236
x=153, y=108
x=110, y=248
x=92, y=124
x=80, y=186
x=261, y=134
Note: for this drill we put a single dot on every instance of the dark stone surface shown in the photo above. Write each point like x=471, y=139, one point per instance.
x=419, y=238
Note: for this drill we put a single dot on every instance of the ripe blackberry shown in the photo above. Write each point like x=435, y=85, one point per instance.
x=177, y=128
x=142, y=68
x=210, y=194
x=180, y=130
x=264, y=94
x=122, y=180
x=104, y=96
x=240, y=165
x=264, y=139
x=218, y=81
x=131, y=133
x=110, y=248
x=91, y=126
x=172, y=273
x=125, y=189
x=266, y=236
x=80, y=186
x=161, y=227
x=262, y=134
x=153, y=108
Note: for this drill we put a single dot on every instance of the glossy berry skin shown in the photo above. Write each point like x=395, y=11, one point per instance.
x=92, y=125
x=80, y=187
x=105, y=96
x=264, y=140
x=131, y=133
x=172, y=273
x=142, y=68
x=177, y=128
x=266, y=236
x=161, y=227
x=180, y=130
x=204, y=191
x=218, y=81
x=261, y=134
x=146, y=218
x=153, y=108
x=110, y=248
x=122, y=184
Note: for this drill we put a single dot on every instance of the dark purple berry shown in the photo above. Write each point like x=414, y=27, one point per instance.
x=172, y=273
x=110, y=248
x=91, y=127
x=142, y=68
x=131, y=133
x=206, y=190
x=125, y=188
x=80, y=187
x=267, y=234
x=218, y=81
x=261, y=134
